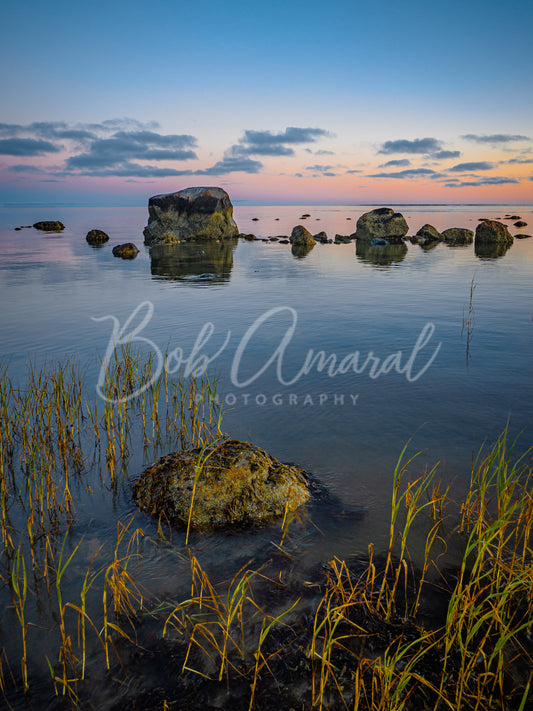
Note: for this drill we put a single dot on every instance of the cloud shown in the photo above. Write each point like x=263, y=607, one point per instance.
x=266, y=143
x=418, y=145
x=135, y=145
x=232, y=165
x=518, y=160
x=400, y=163
x=402, y=174
x=131, y=170
x=444, y=155
x=21, y=168
x=26, y=147
x=354, y=170
x=467, y=167
x=495, y=138
x=481, y=182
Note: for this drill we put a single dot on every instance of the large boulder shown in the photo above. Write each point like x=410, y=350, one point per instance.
x=381, y=223
x=190, y=214
x=458, y=235
x=231, y=484
x=300, y=237
x=493, y=232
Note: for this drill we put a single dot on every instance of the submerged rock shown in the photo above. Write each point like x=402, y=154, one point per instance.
x=458, y=235
x=190, y=214
x=300, y=237
x=126, y=251
x=379, y=242
x=381, y=223
x=235, y=483
x=49, y=226
x=493, y=232
x=96, y=237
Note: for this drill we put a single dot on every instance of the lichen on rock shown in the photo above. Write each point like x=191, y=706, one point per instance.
x=229, y=484
x=190, y=214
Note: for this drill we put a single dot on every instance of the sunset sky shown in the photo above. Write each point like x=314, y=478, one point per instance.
x=277, y=102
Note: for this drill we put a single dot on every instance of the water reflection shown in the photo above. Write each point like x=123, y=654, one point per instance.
x=193, y=261
x=301, y=250
x=490, y=251
x=380, y=256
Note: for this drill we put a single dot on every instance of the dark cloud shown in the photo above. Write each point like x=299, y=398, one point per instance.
x=418, y=145
x=232, y=165
x=135, y=145
x=495, y=138
x=292, y=134
x=444, y=155
x=266, y=143
x=519, y=160
x=467, y=167
x=133, y=170
x=402, y=174
x=400, y=163
x=481, y=182
x=20, y=168
x=351, y=172
x=26, y=147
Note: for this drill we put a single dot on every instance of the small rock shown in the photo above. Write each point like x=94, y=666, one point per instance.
x=458, y=235
x=512, y=217
x=520, y=223
x=96, y=237
x=429, y=233
x=321, y=237
x=522, y=236
x=284, y=241
x=127, y=250
x=248, y=237
x=255, y=219
x=49, y=226
x=301, y=237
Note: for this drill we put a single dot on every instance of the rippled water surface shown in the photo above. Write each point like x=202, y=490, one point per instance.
x=268, y=310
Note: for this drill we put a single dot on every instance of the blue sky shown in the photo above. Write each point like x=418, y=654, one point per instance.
x=198, y=80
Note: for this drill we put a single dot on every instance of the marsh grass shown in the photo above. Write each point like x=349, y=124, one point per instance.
x=366, y=635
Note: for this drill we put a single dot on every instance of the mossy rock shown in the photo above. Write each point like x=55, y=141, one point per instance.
x=49, y=226
x=126, y=251
x=96, y=237
x=237, y=484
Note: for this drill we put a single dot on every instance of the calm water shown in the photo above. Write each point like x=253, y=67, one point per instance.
x=346, y=428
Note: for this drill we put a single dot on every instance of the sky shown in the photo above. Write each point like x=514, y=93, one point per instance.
x=290, y=102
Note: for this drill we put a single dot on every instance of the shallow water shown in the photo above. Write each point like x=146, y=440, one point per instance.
x=349, y=428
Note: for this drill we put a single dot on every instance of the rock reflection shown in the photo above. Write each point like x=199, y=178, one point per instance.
x=490, y=251
x=380, y=256
x=193, y=261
